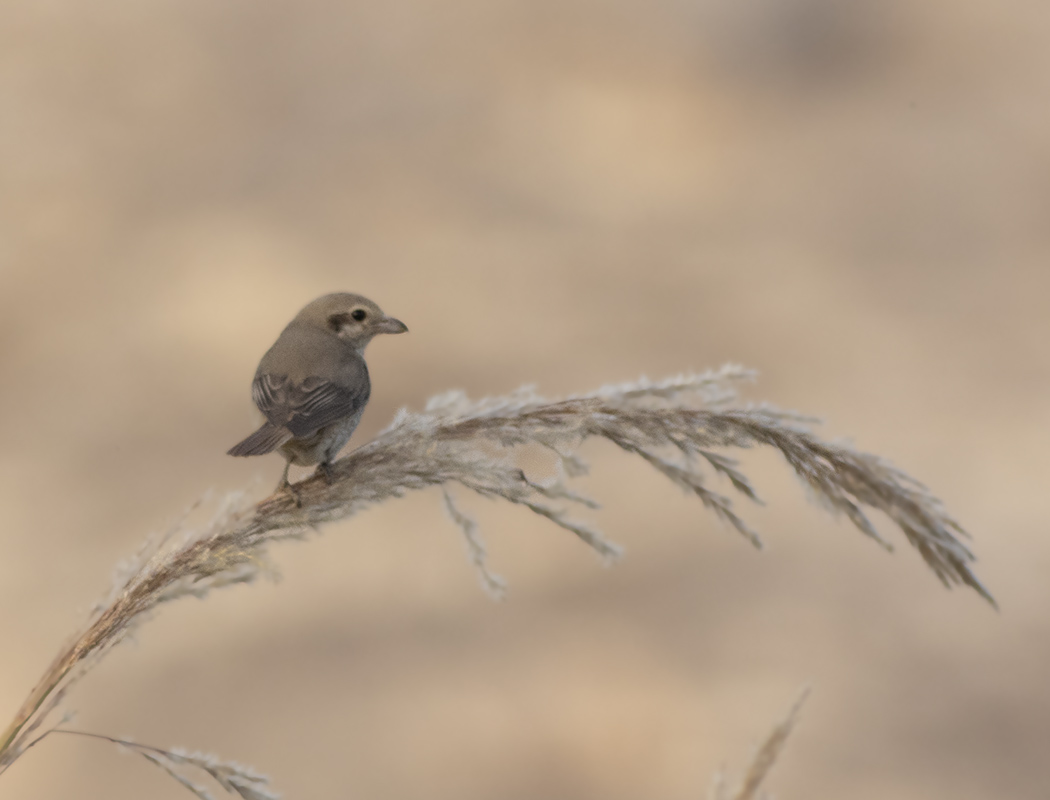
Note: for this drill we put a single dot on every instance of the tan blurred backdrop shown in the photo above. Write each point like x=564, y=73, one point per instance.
x=852, y=197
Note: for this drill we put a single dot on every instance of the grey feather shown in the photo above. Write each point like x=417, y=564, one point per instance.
x=307, y=407
x=265, y=440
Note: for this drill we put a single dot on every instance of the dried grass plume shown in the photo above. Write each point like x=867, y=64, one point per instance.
x=680, y=426
x=763, y=759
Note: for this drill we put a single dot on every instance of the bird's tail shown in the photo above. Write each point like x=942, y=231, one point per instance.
x=265, y=440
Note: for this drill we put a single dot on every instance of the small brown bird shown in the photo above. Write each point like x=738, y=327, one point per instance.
x=312, y=385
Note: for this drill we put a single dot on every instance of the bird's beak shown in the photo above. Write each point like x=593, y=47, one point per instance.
x=391, y=325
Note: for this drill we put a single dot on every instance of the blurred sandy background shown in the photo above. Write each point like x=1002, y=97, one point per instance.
x=852, y=197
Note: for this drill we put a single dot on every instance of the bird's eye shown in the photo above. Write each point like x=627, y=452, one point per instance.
x=358, y=314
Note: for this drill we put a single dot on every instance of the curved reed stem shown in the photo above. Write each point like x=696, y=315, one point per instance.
x=678, y=426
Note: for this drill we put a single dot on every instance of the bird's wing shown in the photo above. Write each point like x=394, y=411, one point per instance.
x=306, y=407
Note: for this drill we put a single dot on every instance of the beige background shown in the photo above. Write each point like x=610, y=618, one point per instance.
x=852, y=197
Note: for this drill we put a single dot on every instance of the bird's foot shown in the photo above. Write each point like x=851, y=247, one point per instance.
x=285, y=486
x=324, y=469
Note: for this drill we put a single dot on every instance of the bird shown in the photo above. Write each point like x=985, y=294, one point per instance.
x=312, y=384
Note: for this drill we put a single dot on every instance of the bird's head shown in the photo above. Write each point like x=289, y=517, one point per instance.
x=351, y=317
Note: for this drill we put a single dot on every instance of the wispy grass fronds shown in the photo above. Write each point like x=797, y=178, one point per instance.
x=494, y=584
x=181, y=765
x=764, y=759
x=679, y=426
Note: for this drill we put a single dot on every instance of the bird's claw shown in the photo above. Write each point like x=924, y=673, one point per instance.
x=286, y=486
x=324, y=469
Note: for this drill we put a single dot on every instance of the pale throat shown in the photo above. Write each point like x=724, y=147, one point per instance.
x=359, y=341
